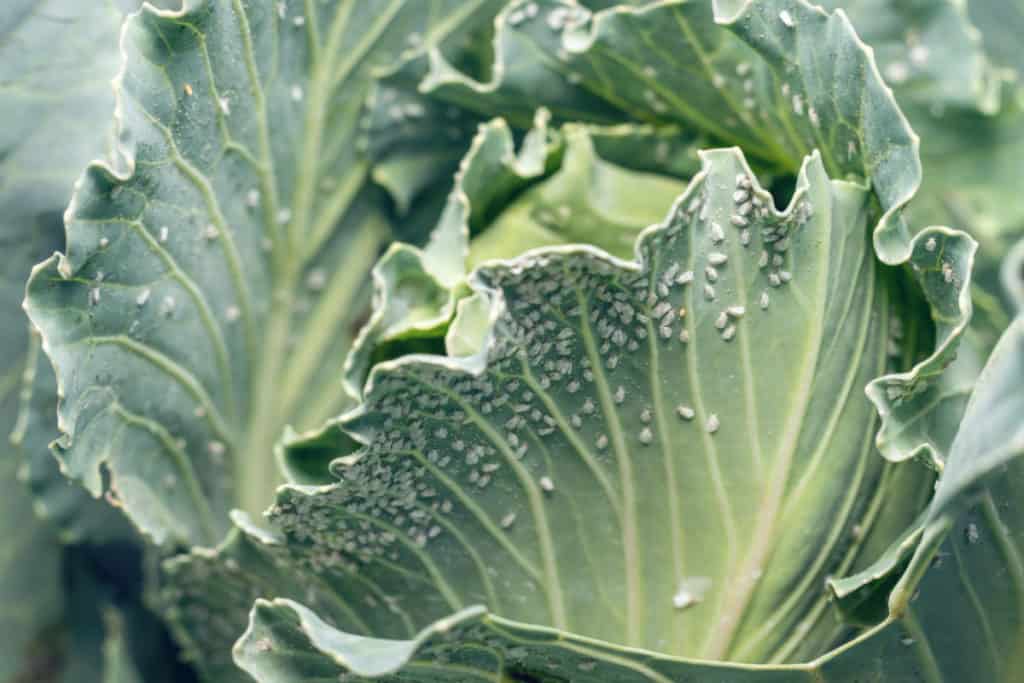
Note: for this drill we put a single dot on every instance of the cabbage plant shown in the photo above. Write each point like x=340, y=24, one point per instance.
x=544, y=340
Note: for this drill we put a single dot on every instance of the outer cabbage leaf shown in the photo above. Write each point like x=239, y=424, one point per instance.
x=942, y=70
x=211, y=281
x=596, y=414
x=959, y=607
x=207, y=594
x=76, y=515
x=930, y=52
x=55, y=59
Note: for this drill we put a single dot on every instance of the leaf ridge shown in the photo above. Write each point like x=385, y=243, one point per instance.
x=634, y=598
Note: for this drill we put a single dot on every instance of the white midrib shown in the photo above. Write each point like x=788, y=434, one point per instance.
x=256, y=472
x=740, y=587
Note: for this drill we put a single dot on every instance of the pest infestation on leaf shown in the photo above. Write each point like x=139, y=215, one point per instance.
x=629, y=340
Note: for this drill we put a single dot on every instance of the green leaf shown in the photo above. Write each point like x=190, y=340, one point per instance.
x=750, y=74
x=205, y=595
x=988, y=445
x=1012, y=276
x=970, y=181
x=29, y=566
x=287, y=642
x=1000, y=24
x=963, y=623
x=555, y=190
x=376, y=523
x=55, y=62
x=476, y=471
x=959, y=607
x=941, y=67
x=63, y=502
x=929, y=52
x=212, y=280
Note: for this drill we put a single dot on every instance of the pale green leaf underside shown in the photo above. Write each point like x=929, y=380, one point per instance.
x=209, y=289
x=963, y=623
x=527, y=477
